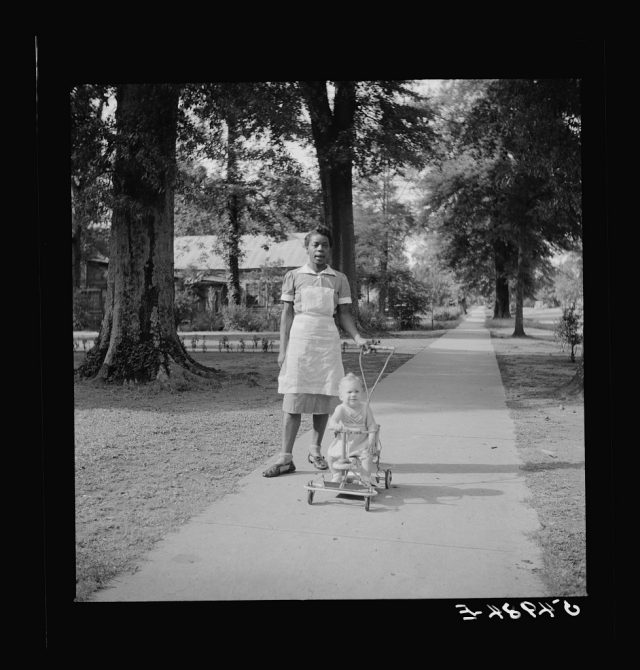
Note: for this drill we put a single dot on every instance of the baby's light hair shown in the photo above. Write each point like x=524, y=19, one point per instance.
x=349, y=378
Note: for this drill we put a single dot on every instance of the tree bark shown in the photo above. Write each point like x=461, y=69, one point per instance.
x=138, y=337
x=520, y=282
x=501, y=307
x=384, y=260
x=233, y=213
x=333, y=134
x=76, y=255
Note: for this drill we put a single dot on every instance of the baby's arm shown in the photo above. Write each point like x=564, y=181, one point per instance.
x=335, y=420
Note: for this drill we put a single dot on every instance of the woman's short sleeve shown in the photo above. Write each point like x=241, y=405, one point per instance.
x=288, y=291
x=344, y=290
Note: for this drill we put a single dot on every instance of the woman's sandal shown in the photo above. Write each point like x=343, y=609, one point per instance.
x=279, y=469
x=318, y=462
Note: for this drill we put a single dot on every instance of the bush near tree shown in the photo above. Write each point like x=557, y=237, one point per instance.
x=408, y=297
x=569, y=330
x=371, y=320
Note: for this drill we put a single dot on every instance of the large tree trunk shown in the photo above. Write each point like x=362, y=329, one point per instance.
x=384, y=259
x=76, y=236
x=138, y=338
x=232, y=242
x=333, y=134
x=383, y=279
x=520, y=283
x=76, y=255
x=501, y=307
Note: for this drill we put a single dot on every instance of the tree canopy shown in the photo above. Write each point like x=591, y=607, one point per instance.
x=507, y=192
x=497, y=161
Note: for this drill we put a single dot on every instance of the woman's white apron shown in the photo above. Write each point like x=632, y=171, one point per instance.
x=313, y=361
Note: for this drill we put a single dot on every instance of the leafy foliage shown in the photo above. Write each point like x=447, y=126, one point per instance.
x=382, y=222
x=392, y=127
x=569, y=329
x=509, y=178
x=239, y=317
x=568, y=284
x=439, y=281
x=91, y=161
x=81, y=316
x=408, y=296
x=371, y=321
x=241, y=129
x=185, y=302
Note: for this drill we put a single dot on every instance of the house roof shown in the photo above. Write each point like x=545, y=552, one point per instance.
x=199, y=252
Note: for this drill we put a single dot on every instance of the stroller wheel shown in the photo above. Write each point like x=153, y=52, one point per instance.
x=310, y=496
x=367, y=502
x=387, y=478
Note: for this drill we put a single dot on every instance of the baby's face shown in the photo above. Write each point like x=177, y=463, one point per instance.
x=351, y=394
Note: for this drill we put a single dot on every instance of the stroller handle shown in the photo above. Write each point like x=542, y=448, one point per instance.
x=377, y=347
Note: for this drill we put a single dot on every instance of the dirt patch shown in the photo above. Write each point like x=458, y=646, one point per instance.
x=549, y=426
x=148, y=458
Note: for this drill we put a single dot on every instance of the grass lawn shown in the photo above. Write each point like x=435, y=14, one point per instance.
x=549, y=427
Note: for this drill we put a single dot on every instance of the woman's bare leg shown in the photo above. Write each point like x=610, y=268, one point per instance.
x=290, y=427
x=319, y=426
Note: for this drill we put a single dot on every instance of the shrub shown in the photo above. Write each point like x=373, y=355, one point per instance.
x=206, y=321
x=239, y=317
x=446, y=315
x=185, y=304
x=271, y=322
x=569, y=330
x=81, y=317
x=371, y=320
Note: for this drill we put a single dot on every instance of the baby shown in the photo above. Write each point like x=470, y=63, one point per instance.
x=353, y=414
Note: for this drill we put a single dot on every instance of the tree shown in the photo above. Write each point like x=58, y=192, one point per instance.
x=382, y=222
x=138, y=338
x=255, y=186
x=463, y=208
x=432, y=272
x=370, y=126
x=334, y=135
x=516, y=175
x=91, y=157
x=459, y=204
x=408, y=295
x=531, y=128
x=568, y=281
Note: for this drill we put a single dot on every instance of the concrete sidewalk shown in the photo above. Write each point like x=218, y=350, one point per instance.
x=454, y=523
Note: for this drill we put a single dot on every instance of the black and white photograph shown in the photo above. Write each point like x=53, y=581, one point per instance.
x=328, y=344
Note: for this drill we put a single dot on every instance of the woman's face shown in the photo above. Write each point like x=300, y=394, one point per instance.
x=319, y=251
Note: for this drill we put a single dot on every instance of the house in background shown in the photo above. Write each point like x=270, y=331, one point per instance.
x=91, y=290
x=198, y=261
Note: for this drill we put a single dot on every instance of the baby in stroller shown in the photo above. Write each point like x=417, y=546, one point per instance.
x=362, y=447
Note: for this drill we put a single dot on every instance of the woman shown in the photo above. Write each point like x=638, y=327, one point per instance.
x=310, y=357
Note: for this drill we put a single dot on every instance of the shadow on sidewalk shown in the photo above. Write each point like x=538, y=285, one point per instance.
x=396, y=497
x=452, y=468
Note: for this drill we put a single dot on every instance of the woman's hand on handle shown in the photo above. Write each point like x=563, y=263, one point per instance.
x=362, y=342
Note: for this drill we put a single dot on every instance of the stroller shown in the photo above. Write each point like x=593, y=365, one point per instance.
x=350, y=483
